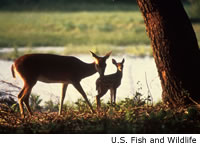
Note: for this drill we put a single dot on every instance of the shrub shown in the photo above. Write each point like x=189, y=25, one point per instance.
x=194, y=9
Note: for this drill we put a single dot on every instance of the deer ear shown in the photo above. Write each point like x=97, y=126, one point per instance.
x=107, y=55
x=123, y=61
x=96, y=58
x=114, y=61
x=94, y=55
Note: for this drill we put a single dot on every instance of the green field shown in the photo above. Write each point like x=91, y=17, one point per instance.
x=78, y=28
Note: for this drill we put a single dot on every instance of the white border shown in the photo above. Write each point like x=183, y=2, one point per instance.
x=91, y=139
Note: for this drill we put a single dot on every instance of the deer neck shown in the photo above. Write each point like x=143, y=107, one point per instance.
x=119, y=73
x=89, y=69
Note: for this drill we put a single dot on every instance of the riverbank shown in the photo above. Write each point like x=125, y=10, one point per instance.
x=132, y=50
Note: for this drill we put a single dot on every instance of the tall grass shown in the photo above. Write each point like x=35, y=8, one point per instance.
x=87, y=24
x=77, y=28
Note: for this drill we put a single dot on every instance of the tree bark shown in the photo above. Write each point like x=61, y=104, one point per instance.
x=175, y=50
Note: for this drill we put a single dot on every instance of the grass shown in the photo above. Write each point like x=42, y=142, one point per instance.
x=60, y=29
x=79, y=28
x=134, y=50
x=125, y=117
x=68, y=6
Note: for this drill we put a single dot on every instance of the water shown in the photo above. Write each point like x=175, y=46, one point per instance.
x=133, y=78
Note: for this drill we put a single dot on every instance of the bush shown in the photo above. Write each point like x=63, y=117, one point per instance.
x=194, y=9
x=35, y=102
x=50, y=106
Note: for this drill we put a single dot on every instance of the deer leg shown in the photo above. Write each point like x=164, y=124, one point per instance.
x=114, y=95
x=24, y=98
x=98, y=97
x=111, y=96
x=26, y=102
x=81, y=91
x=98, y=102
x=64, y=88
x=20, y=102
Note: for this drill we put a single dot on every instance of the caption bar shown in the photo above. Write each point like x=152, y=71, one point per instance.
x=153, y=140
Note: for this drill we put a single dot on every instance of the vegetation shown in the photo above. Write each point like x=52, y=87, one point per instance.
x=132, y=115
x=62, y=5
x=79, y=28
x=118, y=27
x=135, y=50
x=125, y=117
x=194, y=9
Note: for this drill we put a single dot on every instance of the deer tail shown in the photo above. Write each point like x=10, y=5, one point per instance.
x=13, y=71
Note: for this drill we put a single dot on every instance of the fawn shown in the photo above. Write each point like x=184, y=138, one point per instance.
x=109, y=82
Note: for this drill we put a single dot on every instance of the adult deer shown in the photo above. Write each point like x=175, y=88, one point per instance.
x=51, y=68
x=109, y=82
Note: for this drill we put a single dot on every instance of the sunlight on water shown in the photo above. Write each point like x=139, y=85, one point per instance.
x=134, y=72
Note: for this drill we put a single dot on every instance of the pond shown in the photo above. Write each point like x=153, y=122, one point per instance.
x=133, y=80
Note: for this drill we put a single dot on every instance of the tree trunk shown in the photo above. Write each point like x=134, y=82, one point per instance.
x=175, y=50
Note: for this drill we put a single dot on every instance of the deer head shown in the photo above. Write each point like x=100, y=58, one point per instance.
x=118, y=65
x=100, y=62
